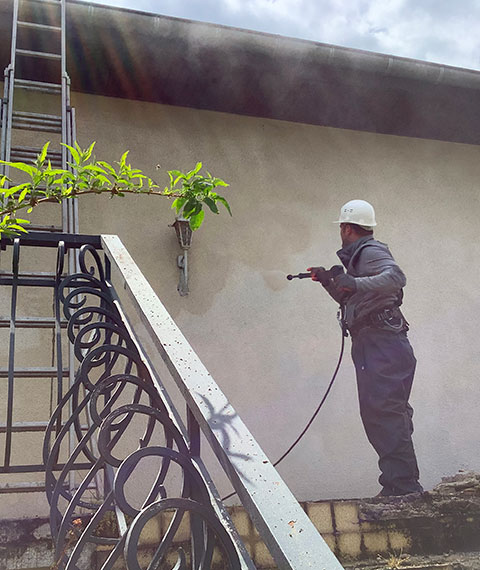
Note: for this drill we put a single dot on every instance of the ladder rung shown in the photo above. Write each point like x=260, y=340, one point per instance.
x=36, y=122
x=23, y=427
x=23, y=24
x=54, y=2
x=37, y=274
x=30, y=427
x=22, y=488
x=35, y=127
x=32, y=468
x=22, y=153
x=32, y=322
x=39, y=228
x=39, y=54
x=35, y=151
x=36, y=116
x=32, y=487
x=33, y=372
x=54, y=88
x=39, y=125
x=27, y=281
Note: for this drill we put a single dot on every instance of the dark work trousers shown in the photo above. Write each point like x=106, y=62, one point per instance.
x=385, y=365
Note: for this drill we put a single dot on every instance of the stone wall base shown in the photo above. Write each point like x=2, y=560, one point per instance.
x=363, y=533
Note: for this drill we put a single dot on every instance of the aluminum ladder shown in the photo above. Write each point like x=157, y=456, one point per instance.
x=38, y=49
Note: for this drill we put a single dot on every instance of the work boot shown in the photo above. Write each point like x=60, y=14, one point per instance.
x=389, y=492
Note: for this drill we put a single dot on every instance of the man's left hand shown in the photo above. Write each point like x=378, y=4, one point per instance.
x=345, y=282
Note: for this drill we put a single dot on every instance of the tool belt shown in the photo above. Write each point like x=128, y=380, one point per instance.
x=390, y=318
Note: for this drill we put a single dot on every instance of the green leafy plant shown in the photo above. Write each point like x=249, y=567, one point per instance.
x=190, y=191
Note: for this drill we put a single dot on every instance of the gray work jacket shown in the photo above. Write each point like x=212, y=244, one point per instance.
x=378, y=278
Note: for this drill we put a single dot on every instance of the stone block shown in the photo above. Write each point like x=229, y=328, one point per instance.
x=330, y=540
x=183, y=531
x=262, y=556
x=242, y=522
x=367, y=526
x=349, y=544
x=321, y=516
x=376, y=542
x=346, y=516
x=400, y=540
x=151, y=533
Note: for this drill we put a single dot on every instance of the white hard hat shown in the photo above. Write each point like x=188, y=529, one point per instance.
x=357, y=212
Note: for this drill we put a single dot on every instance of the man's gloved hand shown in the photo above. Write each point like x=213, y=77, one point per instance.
x=345, y=282
x=319, y=274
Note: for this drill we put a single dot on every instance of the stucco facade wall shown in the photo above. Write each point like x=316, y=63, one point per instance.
x=270, y=344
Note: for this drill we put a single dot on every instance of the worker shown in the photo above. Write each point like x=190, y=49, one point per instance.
x=370, y=293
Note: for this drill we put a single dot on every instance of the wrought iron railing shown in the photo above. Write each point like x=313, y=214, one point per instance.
x=115, y=399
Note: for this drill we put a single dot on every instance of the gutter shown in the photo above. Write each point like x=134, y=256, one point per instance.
x=330, y=55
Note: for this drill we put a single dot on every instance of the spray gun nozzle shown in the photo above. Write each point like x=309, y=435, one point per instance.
x=299, y=276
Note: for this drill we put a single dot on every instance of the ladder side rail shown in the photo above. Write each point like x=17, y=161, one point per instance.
x=76, y=229
x=66, y=223
x=64, y=81
x=58, y=327
x=70, y=140
x=11, y=86
x=13, y=49
x=8, y=118
x=4, y=114
x=11, y=355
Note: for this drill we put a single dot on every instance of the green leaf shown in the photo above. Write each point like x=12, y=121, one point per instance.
x=74, y=152
x=211, y=204
x=175, y=173
x=219, y=182
x=23, y=193
x=178, y=203
x=124, y=158
x=192, y=173
x=58, y=172
x=17, y=227
x=31, y=170
x=190, y=207
x=88, y=153
x=43, y=154
x=107, y=167
x=196, y=220
x=225, y=203
x=104, y=180
x=9, y=191
x=197, y=169
x=94, y=168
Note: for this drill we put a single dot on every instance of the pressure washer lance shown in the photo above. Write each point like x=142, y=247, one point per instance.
x=323, y=275
x=299, y=276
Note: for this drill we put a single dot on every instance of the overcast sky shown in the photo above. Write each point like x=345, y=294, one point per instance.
x=442, y=31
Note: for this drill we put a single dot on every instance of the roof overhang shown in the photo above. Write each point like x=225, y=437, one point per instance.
x=125, y=53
